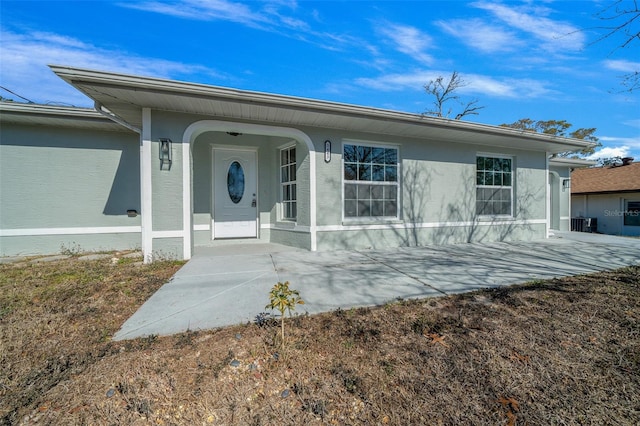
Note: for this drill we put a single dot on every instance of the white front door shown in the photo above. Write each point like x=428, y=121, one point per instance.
x=235, y=211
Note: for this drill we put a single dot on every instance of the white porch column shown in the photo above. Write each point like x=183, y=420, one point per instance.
x=186, y=199
x=145, y=186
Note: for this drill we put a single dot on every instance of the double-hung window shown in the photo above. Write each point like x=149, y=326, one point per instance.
x=494, y=186
x=288, y=195
x=371, y=187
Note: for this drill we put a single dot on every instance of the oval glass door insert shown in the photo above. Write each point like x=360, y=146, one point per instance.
x=235, y=182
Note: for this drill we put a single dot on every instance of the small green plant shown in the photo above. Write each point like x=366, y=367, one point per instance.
x=282, y=298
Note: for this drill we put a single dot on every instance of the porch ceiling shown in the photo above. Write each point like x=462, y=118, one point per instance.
x=125, y=95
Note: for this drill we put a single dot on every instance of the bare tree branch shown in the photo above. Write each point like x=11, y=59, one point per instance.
x=445, y=92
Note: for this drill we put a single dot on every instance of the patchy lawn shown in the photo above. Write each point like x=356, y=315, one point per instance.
x=564, y=351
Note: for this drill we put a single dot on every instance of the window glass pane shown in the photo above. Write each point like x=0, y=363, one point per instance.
x=364, y=154
x=391, y=208
x=283, y=157
x=480, y=163
x=377, y=208
x=350, y=192
x=391, y=192
x=377, y=155
x=350, y=154
x=506, y=179
x=377, y=192
x=364, y=192
x=364, y=172
x=506, y=165
x=294, y=196
x=350, y=208
x=294, y=210
x=391, y=174
x=378, y=173
x=391, y=156
x=350, y=171
x=364, y=208
x=284, y=174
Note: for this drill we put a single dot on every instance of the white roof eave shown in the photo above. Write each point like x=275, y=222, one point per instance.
x=90, y=83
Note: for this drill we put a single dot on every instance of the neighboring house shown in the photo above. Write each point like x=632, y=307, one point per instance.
x=188, y=164
x=611, y=195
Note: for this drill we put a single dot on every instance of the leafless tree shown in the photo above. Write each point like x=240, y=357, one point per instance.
x=622, y=18
x=445, y=92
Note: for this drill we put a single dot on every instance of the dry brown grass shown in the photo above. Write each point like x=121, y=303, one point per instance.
x=565, y=351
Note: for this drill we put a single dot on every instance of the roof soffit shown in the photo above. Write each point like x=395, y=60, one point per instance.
x=127, y=95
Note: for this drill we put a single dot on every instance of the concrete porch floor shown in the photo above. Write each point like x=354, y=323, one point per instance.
x=226, y=284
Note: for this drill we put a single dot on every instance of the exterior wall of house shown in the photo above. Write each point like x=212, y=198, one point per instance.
x=438, y=197
x=437, y=185
x=67, y=189
x=608, y=209
x=71, y=188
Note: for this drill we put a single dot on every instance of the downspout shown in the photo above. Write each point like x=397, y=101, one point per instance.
x=113, y=117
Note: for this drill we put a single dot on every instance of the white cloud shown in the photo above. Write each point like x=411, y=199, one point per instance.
x=615, y=146
x=408, y=40
x=556, y=36
x=481, y=35
x=204, y=11
x=476, y=84
x=609, y=152
x=622, y=65
x=25, y=57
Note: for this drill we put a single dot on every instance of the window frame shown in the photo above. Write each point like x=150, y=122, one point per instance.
x=289, y=183
x=636, y=213
x=397, y=183
x=511, y=187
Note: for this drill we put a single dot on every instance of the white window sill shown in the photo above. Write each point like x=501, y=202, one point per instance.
x=495, y=218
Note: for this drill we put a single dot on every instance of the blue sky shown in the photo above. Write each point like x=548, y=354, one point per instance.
x=536, y=59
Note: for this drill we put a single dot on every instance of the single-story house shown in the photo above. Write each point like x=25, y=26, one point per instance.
x=610, y=195
x=168, y=166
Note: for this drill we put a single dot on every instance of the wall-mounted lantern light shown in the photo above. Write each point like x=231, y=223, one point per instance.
x=566, y=184
x=132, y=213
x=327, y=151
x=165, y=153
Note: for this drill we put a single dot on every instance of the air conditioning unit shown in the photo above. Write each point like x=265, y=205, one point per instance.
x=584, y=224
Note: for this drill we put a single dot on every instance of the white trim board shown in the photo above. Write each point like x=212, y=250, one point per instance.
x=70, y=231
x=383, y=226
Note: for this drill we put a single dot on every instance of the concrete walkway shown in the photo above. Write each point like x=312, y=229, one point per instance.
x=229, y=284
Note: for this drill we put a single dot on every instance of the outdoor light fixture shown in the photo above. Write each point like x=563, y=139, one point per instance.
x=566, y=184
x=327, y=151
x=165, y=153
x=132, y=213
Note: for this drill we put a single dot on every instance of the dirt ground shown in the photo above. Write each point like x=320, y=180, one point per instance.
x=558, y=352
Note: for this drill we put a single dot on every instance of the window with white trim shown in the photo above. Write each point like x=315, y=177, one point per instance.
x=494, y=186
x=288, y=196
x=632, y=213
x=371, y=187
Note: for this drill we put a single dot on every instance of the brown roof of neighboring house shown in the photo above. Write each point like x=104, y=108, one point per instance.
x=606, y=179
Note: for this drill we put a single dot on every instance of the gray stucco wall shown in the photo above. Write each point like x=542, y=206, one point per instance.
x=437, y=190
x=67, y=188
